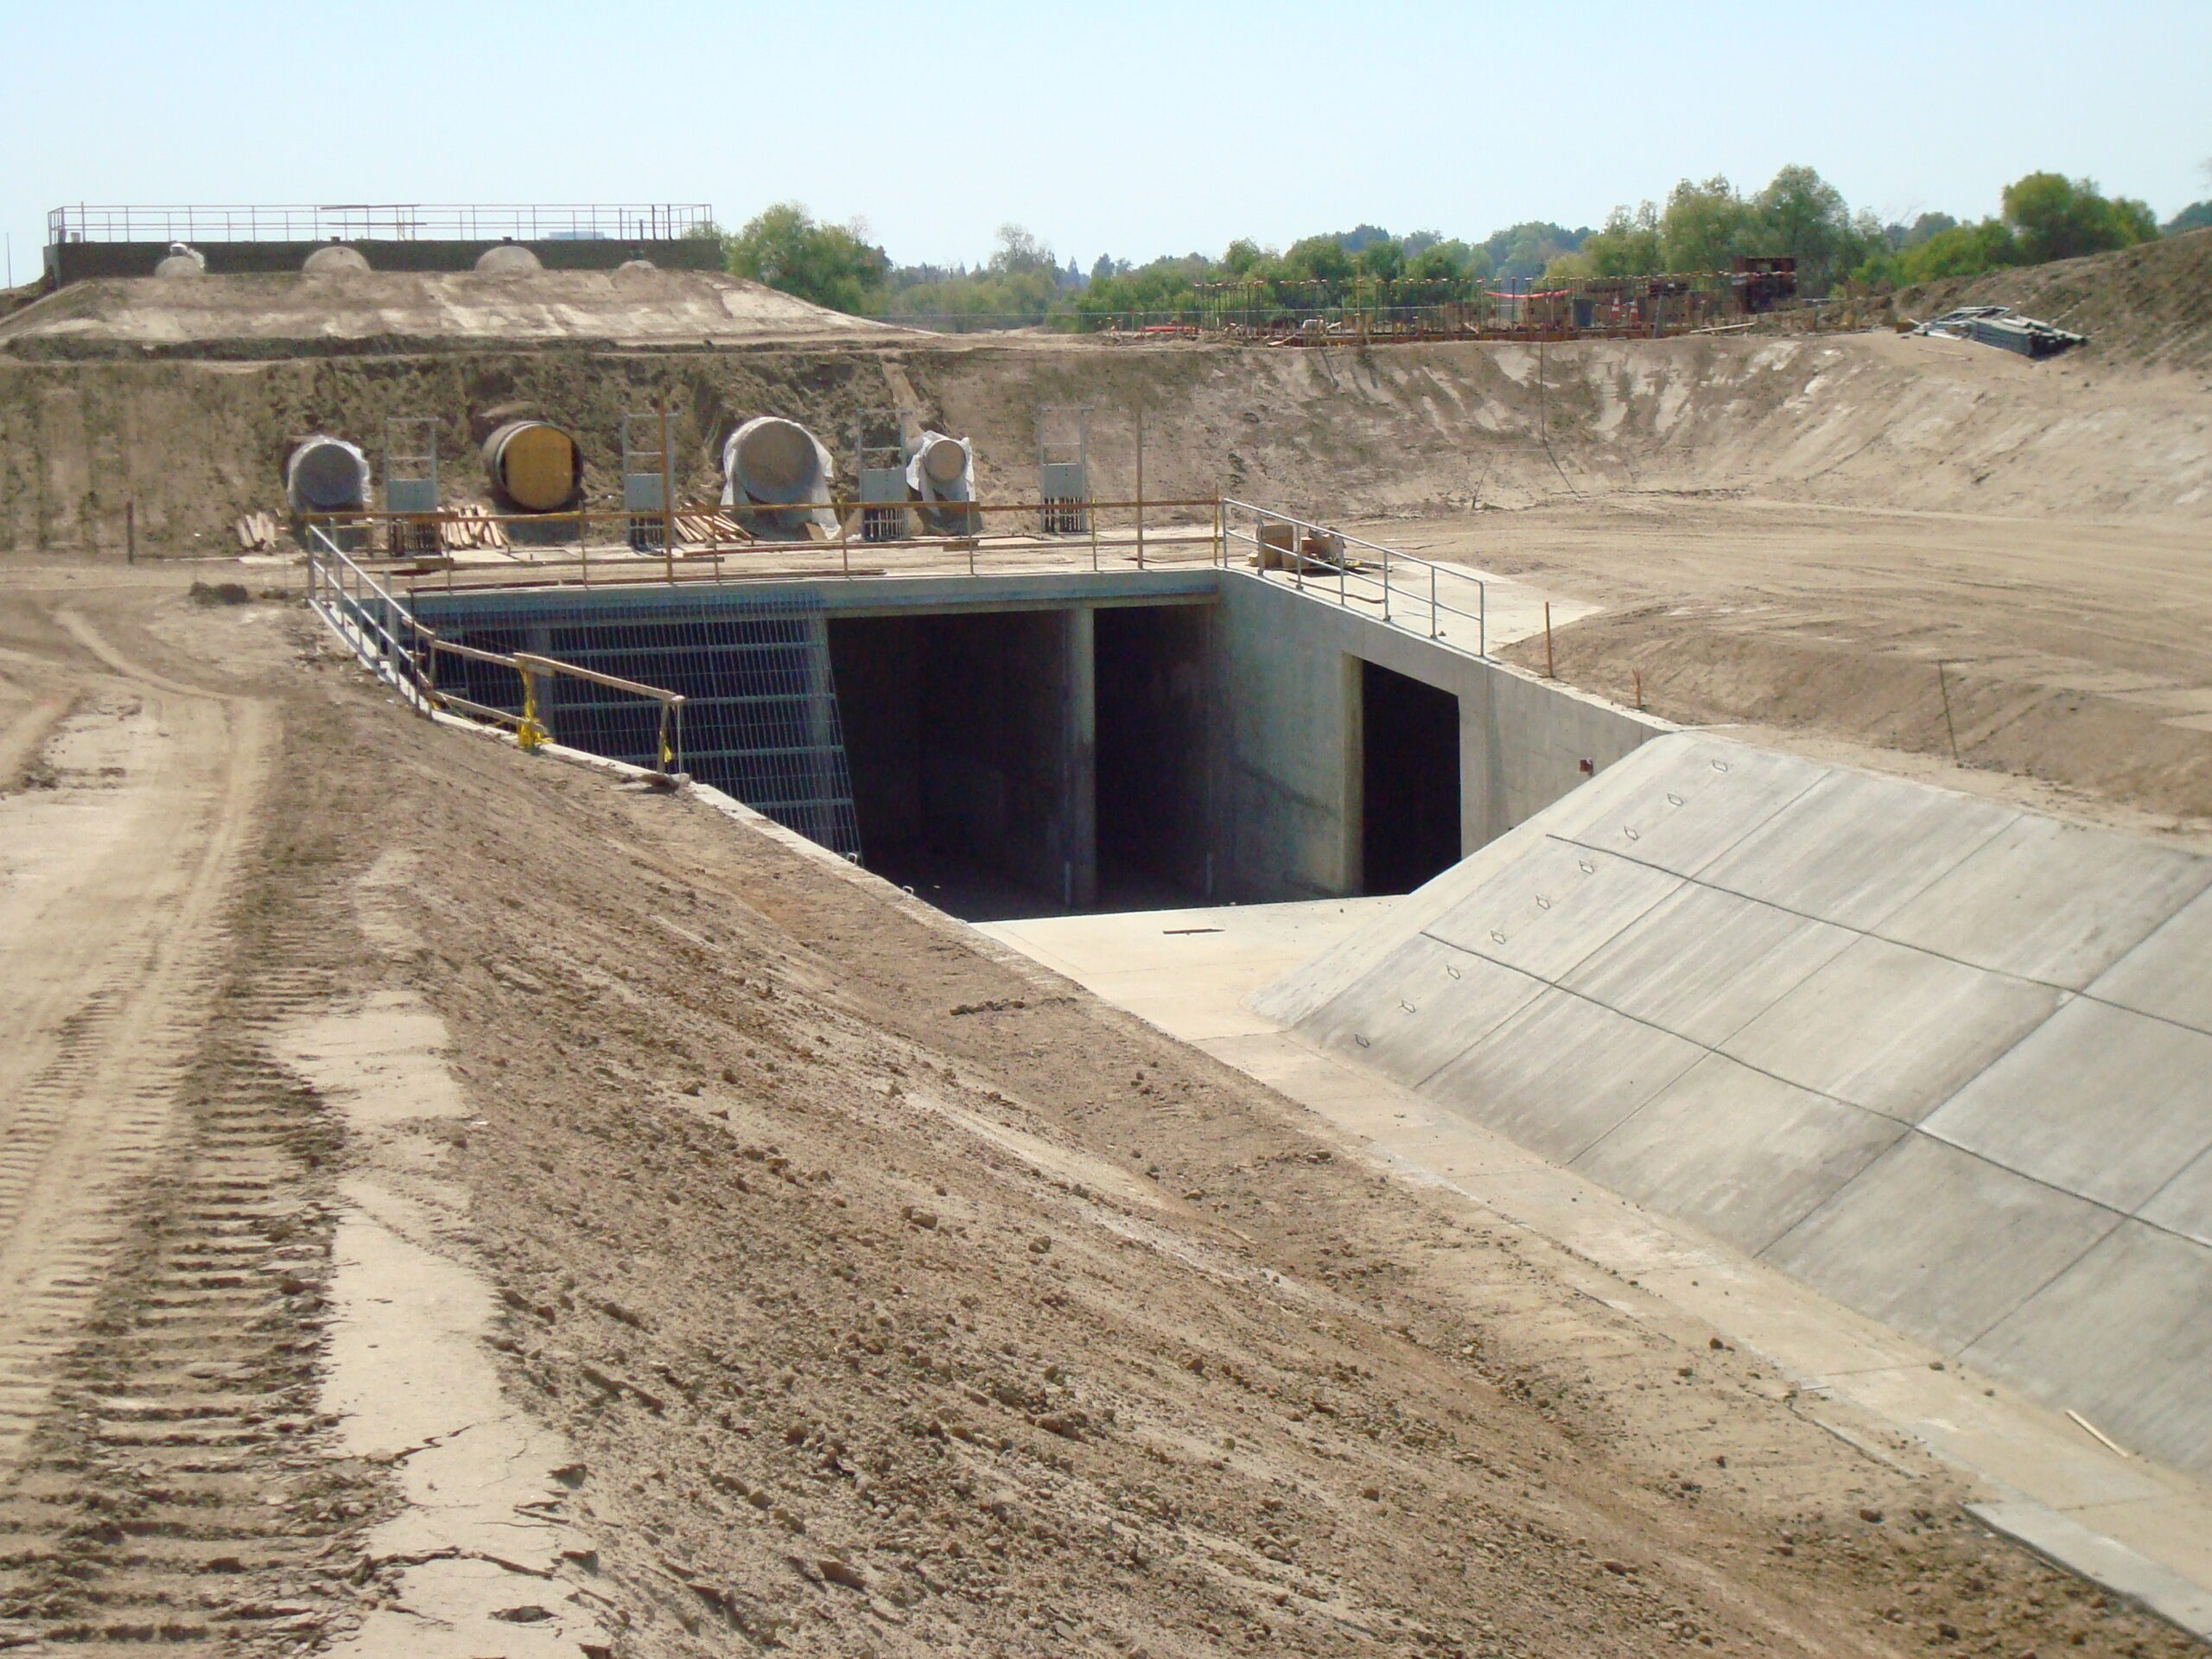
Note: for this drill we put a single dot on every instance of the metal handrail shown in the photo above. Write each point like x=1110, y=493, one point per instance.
x=413, y=672
x=379, y=222
x=1299, y=559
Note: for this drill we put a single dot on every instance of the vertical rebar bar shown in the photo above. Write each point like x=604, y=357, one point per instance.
x=667, y=497
x=1140, y=483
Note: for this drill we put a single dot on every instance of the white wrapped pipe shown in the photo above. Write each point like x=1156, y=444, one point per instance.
x=776, y=475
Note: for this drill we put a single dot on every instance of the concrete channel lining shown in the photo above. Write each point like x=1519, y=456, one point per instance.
x=1943, y=1059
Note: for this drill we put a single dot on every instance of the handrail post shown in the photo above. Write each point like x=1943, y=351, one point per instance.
x=1431, y=602
x=667, y=498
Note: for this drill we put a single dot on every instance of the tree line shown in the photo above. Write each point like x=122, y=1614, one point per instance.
x=1699, y=228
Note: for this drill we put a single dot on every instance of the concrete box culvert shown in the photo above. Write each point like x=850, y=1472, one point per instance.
x=534, y=465
x=327, y=474
x=773, y=463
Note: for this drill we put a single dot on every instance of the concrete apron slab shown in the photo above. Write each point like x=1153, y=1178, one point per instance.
x=485, y=1547
x=2137, y=1529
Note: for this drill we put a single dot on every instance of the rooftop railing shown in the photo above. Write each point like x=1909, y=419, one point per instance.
x=381, y=221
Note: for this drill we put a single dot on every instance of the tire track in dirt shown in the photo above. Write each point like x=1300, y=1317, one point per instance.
x=114, y=901
x=164, y=1211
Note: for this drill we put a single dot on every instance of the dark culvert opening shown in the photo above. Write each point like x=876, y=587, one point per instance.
x=1409, y=780
x=957, y=733
x=1153, y=757
x=972, y=780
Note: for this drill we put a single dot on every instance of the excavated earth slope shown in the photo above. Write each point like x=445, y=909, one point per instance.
x=896, y=1297
x=195, y=440
x=2148, y=306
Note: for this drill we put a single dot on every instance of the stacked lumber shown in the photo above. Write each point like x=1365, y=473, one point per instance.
x=256, y=532
x=709, y=527
x=471, y=526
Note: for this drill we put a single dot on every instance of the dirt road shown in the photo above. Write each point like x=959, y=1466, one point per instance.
x=895, y=1297
x=2075, y=665
x=158, y=1233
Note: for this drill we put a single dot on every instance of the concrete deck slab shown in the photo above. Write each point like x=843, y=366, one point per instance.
x=1561, y=1073
x=2122, y=1338
x=1853, y=848
x=2056, y=1108
x=2170, y=974
x=1939, y=1242
x=1552, y=907
x=1690, y=800
x=1208, y=955
x=1892, y=1029
x=2050, y=901
x=1740, y=1153
x=1701, y=962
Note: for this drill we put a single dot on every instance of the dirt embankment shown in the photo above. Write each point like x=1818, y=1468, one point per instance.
x=2063, y=662
x=1863, y=420
x=2145, y=307
x=897, y=1299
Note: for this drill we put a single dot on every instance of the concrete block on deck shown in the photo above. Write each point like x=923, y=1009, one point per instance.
x=1853, y=848
x=1561, y=1072
x=1701, y=962
x=1739, y=1152
x=1552, y=907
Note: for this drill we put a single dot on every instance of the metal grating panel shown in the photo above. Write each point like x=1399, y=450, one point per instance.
x=761, y=712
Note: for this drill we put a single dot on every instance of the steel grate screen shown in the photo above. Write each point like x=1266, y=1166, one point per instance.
x=760, y=710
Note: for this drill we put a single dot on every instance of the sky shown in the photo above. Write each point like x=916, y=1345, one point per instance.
x=1129, y=127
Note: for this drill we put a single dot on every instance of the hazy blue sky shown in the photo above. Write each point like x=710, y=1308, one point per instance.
x=1136, y=128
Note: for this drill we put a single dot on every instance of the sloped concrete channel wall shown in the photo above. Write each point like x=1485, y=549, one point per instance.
x=1948, y=1062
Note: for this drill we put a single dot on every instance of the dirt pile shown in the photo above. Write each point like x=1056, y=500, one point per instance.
x=2146, y=306
x=382, y=312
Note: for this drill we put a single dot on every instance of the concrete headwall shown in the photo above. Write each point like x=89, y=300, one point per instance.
x=1290, y=668
x=1950, y=1062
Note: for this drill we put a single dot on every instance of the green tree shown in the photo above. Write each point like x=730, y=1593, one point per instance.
x=1800, y=215
x=2057, y=218
x=831, y=264
x=1317, y=259
x=1628, y=245
x=1019, y=252
x=1520, y=251
x=1705, y=225
x=1385, y=260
